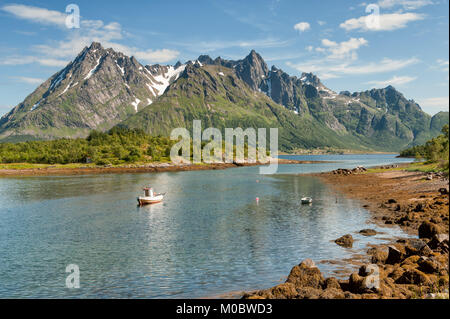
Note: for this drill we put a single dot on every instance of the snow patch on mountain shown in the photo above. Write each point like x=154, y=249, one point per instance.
x=164, y=80
x=135, y=104
x=122, y=70
x=91, y=72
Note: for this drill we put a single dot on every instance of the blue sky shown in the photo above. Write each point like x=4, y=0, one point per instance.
x=404, y=43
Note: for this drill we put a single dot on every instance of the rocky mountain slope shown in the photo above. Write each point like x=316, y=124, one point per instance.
x=99, y=89
x=102, y=88
x=215, y=95
x=380, y=118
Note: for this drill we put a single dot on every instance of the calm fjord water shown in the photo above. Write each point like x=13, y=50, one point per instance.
x=208, y=237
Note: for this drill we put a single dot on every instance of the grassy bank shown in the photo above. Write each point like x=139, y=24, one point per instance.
x=434, y=154
x=424, y=167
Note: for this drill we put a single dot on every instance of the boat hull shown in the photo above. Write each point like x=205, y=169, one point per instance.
x=150, y=200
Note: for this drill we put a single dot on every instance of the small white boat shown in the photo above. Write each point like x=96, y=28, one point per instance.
x=150, y=197
x=306, y=200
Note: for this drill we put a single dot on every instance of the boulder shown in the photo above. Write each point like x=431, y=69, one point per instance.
x=439, y=241
x=428, y=230
x=331, y=283
x=430, y=265
x=308, y=293
x=396, y=273
x=414, y=277
x=368, y=232
x=414, y=246
x=379, y=256
x=283, y=291
x=345, y=241
x=357, y=284
x=426, y=251
x=332, y=293
x=304, y=275
x=308, y=263
x=410, y=261
x=395, y=255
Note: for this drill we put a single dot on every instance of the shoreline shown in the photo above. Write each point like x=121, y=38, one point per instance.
x=408, y=267
x=51, y=170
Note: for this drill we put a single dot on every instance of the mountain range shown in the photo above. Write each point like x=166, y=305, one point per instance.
x=102, y=88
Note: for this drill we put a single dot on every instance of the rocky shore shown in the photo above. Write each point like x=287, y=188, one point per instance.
x=403, y=269
x=132, y=168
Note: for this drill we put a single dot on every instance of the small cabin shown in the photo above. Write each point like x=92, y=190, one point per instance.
x=148, y=192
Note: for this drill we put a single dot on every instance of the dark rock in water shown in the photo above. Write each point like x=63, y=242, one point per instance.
x=391, y=201
x=394, y=255
x=306, y=275
x=368, y=232
x=443, y=190
x=428, y=230
x=345, y=241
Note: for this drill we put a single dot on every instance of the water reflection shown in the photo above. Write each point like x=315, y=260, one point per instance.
x=209, y=236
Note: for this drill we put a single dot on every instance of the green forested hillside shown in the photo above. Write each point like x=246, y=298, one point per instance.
x=435, y=150
x=114, y=147
x=224, y=101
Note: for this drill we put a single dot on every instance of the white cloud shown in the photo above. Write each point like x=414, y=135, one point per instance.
x=51, y=62
x=321, y=23
x=443, y=64
x=394, y=81
x=327, y=69
x=58, y=53
x=387, y=22
x=28, y=80
x=309, y=48
x=211, y=46
x=406, y=4
x=22, y=60
x=153, y=56
x=302, y=26
x=328, y=43
x=434, y=105
x=344, y=49
x=35, y=14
